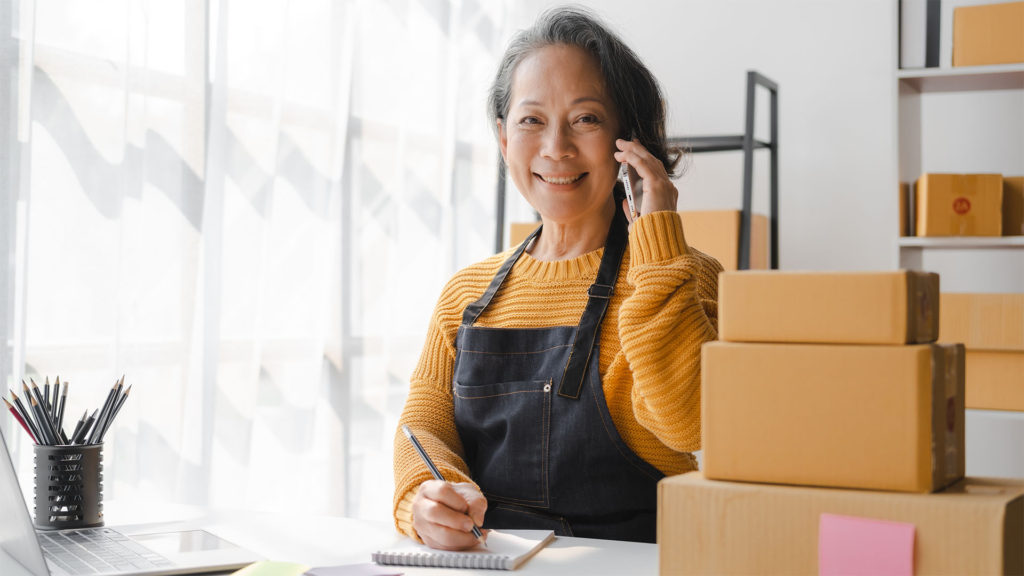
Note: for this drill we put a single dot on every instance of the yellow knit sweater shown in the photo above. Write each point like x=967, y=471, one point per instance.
x=663, y=309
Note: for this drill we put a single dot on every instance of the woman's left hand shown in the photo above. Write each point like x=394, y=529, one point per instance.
x=659, y=193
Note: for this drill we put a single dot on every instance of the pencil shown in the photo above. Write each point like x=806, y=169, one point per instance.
x=60, y=411
x=116, y=409
x=46, y=396
x=40, y=416
x=20, y=421
x=27, y=417
x=80, y=437
x=78, y=426
x=104, y=413
x=42, y=420
x=55, y=400
x=436, y=473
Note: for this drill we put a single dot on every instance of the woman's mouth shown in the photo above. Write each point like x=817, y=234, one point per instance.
x=561, y=180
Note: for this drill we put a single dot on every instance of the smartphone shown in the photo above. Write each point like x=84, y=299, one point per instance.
x=628, y=186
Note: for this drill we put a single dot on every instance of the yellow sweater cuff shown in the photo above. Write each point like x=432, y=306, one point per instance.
x=403, y=515
x=657, y=237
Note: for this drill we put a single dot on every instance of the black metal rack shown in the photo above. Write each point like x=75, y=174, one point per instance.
x=747, y=143
x=702, y=144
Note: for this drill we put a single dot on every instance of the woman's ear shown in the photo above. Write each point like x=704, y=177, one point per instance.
x=502, y=140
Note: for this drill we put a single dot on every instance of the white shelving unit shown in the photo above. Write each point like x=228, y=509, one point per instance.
x=965, y=120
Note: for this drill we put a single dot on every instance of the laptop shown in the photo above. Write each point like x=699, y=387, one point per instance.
x=144, y=549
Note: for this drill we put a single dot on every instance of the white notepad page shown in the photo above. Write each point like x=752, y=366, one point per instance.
x=506, y=550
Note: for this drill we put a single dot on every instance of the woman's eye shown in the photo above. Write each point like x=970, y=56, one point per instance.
x=588, y=119
x=530, y=120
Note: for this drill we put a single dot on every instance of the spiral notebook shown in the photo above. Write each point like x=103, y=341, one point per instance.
x=506, y=550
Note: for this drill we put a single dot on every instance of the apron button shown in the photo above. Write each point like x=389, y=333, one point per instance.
x=547, y=387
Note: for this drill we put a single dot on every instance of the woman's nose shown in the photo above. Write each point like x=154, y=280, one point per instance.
x=558, y=143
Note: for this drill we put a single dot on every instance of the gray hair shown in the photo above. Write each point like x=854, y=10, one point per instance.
x=633, y=89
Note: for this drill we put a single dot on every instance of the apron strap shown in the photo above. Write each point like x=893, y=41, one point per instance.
x=473, y=311
x=598, y=296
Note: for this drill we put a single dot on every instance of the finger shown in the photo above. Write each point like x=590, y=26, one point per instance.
x=444, y=493
x=474, y=499
x=647, y=167
x=625, y=208
x=444, y=538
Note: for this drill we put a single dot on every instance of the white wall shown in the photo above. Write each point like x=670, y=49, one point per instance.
x=834, y=61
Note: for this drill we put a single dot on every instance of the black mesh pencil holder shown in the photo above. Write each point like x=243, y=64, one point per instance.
x=69, y=486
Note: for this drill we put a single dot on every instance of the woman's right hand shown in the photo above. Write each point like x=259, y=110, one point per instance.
x=443, y=514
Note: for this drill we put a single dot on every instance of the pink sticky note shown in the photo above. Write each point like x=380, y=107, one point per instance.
x=849, y=546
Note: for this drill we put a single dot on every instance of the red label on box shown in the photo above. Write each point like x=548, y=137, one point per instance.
x=961, y=205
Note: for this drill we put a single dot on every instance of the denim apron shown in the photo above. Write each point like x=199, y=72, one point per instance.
x=531, y=414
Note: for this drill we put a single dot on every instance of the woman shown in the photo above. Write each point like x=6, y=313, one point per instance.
x=561, y=380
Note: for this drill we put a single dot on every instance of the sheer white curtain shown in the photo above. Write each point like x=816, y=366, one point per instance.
x=248, y=208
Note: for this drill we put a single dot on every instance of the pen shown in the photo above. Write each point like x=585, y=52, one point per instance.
x=433, y=470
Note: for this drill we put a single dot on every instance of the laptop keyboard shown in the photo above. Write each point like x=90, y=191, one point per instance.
x=97, y=550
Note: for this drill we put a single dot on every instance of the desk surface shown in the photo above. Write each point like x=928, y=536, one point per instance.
x=331, y=541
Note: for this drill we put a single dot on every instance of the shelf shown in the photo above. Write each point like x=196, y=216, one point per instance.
x=698, y=144
x=997, y=77
x=963, y=242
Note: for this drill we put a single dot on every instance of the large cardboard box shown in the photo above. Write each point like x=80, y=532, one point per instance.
x=995, y=380
x=959, y=205
x=982, y=321
x=839, y=307
x=1013, y=206
x=849, y=416
x=706, y=527
x=989, y=34
x=717, y=233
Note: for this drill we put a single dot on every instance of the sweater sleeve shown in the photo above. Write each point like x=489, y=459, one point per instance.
x=662, y=325
x=429, y=412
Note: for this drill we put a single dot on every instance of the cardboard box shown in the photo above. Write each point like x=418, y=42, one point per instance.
x=1013, y=206
x=959, y=205
x=873, y=417
x=989, y=34
x=995, y=380
x=982, y=321
x=518, y=231
x=709, y=527
x=839, y=307
x=717, y=234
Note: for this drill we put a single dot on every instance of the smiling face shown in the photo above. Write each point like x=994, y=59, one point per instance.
x=559, y=135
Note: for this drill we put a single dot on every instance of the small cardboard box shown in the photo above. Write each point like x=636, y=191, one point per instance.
x=1013, y=206
x=706, y=527
x=989, y=34
x=831, y=307
x=995, y=380
x=873, y=417
x=959, y=205
x=518, y=231
x=717, y=234
x=982, y=321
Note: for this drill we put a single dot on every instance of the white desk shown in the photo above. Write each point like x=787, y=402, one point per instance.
x=330, y=541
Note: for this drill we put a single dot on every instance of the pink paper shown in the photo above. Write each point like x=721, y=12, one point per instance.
x=849, y=546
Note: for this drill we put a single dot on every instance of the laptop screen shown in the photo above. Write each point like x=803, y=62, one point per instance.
x=19, y=548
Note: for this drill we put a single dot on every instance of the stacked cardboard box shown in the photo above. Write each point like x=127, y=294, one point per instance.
x=962, y=205
x=988, y=34
x=829, y=406
x=991, y=326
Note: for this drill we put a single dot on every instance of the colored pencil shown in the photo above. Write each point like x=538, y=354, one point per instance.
x=21, y=421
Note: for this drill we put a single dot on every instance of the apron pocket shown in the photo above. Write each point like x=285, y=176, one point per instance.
x=505, y=430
